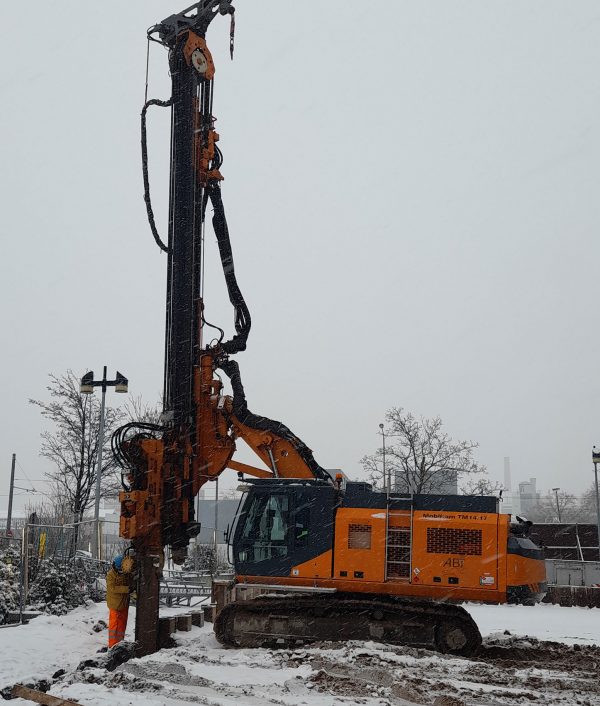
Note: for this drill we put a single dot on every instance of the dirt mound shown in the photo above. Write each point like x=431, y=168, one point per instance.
x=518, y=652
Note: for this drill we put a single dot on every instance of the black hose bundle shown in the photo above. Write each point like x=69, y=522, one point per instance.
x=162, y=104
x=255, y=421
x=242, y=318
x=127, y=452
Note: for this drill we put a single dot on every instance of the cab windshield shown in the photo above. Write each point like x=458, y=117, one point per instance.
x=265, y=532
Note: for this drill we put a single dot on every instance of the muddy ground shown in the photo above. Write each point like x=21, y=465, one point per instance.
x=508, y=671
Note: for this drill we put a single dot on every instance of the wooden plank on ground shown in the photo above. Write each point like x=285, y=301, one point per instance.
x=39, y=697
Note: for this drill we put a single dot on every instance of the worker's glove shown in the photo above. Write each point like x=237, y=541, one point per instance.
x=127, y=565
x=133, y=595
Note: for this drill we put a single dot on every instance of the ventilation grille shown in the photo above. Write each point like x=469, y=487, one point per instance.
x=359, y=536
x=441, y=540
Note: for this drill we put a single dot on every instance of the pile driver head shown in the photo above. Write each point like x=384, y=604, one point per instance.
x=197, y=18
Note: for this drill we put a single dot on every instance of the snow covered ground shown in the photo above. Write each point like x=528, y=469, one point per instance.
x=510, y=669
x=546, y=622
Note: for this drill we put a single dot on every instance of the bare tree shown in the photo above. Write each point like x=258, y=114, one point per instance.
x=420, y=456
x=587, y=505
x=72, y=443
x=52, y=510
x=481, y=486
x=136, y=410
x=556, y=507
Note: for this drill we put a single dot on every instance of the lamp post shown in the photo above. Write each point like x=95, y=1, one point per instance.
x=596, y=461
x=216, y=515
x=555, y=491
x=387, y=480
x=10, y=496
x=87, y=388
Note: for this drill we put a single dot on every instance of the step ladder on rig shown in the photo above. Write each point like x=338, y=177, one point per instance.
x=398, y=559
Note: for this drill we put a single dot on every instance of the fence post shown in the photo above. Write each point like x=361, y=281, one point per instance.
x=25, y=561
x=21, y=588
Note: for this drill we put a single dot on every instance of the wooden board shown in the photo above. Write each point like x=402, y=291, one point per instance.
x=39, y=697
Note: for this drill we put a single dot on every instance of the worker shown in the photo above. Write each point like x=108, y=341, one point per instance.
x=119, y=583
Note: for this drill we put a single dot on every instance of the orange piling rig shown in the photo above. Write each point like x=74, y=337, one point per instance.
x=376, y=566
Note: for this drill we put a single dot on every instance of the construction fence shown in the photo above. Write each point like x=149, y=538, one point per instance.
x=34, y=546
x=25, y=560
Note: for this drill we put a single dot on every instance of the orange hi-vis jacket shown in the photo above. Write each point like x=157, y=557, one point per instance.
x=118, y=586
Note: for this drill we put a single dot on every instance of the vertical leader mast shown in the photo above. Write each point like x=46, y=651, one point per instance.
x=165, y=465
x=195, y=162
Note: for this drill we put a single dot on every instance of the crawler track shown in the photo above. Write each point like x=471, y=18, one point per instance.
x=285, y=621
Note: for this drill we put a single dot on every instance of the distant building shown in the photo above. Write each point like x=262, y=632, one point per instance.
x=16, y=524
x=528, y=496
x=226, y=509
x=508, y=502
x=521, y=501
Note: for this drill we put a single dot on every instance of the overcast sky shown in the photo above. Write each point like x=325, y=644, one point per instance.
x=412, y=194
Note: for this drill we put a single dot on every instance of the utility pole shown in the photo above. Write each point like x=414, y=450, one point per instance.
x=555, y=491
x=387, y=479
x=10, y=496
x=87, y=387
x=596, y=461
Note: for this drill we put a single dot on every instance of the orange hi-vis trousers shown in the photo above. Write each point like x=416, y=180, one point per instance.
x=117, y=623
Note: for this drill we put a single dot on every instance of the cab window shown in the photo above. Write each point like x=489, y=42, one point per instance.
x=265, y=532
x=301, y=524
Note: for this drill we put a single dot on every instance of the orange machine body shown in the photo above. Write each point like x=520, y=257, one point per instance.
x=397, y=549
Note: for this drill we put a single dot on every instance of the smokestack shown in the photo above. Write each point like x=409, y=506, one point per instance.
x=507, y=481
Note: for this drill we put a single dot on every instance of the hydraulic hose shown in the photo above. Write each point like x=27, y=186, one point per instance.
x=151, y=221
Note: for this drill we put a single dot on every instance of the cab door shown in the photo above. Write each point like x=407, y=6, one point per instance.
x=282, y=525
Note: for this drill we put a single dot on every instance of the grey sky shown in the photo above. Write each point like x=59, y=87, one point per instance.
x=411, y=190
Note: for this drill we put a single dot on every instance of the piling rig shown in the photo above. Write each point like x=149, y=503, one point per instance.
x=379, y=566
x=165, y=465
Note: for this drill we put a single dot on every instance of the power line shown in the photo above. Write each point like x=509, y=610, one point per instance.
x=26, y=476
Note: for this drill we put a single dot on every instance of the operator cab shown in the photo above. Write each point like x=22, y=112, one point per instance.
x=282, y=523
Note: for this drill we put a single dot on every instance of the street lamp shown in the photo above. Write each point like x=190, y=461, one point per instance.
x=596, y=461
x=555, y=491
x=387, y=480
x=87, y=388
